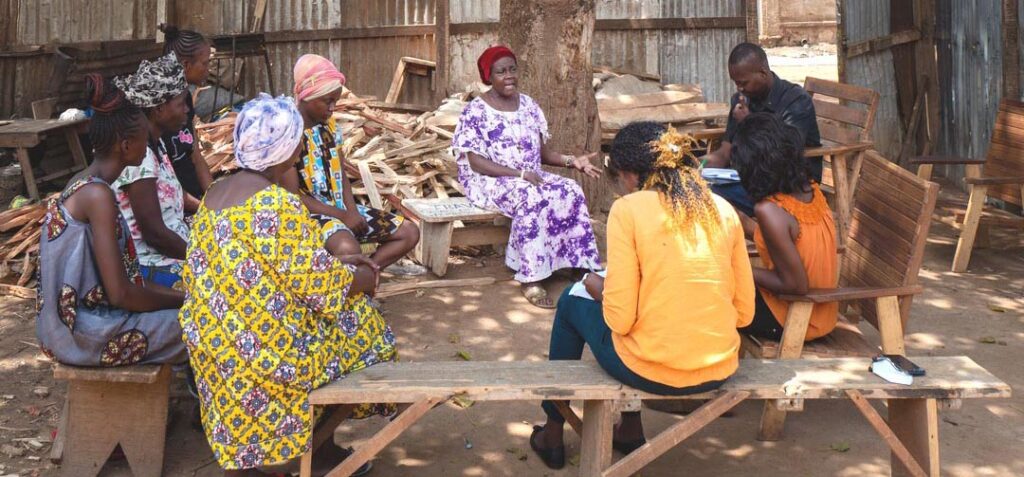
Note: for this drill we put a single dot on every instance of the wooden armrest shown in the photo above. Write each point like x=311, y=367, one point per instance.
x=705, y=134
x=994, y=180
x=830, y=295
x=945, y=160
x=753, y=253
x=838, y=149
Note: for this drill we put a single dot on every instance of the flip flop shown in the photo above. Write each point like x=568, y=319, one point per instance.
x=553, y=458
x=535, y=293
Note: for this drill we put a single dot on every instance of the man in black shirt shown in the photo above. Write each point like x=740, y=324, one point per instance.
x=758, y=90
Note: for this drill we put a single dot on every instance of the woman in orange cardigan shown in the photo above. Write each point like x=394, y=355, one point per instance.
x=679, y=284
x=794, y=234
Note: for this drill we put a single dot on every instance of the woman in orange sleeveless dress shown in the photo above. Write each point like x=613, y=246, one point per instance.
x=794, y=231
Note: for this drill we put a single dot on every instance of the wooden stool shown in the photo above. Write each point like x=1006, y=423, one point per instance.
x=110, y=406
x=439, y=231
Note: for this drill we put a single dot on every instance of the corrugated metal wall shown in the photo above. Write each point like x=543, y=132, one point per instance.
x=970, y=76
x=679, y=56
x=864, y=20
x=70, y=21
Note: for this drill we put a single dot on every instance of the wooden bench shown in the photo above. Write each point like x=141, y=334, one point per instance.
x=891, y=216
x=441, y=228
x=25, y=134
x=911, y=430
x=999, y=175
x=107, y=407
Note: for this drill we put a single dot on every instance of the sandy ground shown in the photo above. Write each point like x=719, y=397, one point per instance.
x=979, y=314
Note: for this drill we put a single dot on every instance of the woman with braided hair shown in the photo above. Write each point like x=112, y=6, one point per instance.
x=795, y=234
x=678, y=285
x=193, y=51
x=96, y=308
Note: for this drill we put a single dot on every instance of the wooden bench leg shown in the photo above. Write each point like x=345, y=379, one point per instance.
x=670, y=437
x=597, y=437
x=975, y=205
x=381, y=439
x=434, y=246
x=26, y=171
x=102, y=415
x=773, y=417
x=916, y=423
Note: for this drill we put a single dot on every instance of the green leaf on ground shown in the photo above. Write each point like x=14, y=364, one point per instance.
x=462, y=401
x=987, y=340
x=463, y=355
x=997, y=309
x=840, y=447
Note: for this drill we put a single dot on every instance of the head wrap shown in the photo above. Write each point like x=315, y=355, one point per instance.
x=155, y=82
x=267, y=131
x=489, y=57
x=316, y=76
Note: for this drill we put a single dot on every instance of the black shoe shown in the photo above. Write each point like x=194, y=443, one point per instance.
x=553, y=458
x=628, y=447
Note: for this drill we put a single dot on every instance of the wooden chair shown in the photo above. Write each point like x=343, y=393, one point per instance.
x=1000, y=175
x=878, y=277
x=845, y=114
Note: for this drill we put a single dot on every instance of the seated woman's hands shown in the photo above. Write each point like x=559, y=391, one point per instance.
x=594, y=284
x=355, y=222
x=584, y=165
x=533, y=178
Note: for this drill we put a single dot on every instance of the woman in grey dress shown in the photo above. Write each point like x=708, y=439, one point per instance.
x=95, y=308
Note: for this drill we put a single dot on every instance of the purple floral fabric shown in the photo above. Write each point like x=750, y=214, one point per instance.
x=550, y=223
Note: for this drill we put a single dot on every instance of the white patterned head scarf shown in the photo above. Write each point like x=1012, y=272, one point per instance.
x=267, y=132
x=155, y=82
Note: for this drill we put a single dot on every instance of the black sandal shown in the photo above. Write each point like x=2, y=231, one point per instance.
x=553, y=458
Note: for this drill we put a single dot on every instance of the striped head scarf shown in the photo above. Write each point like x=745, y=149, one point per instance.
x=155, y=82
x=315, y=77
x=267, y=132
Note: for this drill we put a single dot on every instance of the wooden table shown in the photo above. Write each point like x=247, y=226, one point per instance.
x=24, y=134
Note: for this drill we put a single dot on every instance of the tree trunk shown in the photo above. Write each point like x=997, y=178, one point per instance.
x=552, y=41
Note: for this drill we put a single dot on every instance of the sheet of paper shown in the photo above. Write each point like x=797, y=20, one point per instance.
x=720, y=175
x=580, y=290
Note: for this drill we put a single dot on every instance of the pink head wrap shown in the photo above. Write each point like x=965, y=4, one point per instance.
x=316, y=76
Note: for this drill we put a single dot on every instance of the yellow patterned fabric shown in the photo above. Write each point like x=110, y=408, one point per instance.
x=268, y=318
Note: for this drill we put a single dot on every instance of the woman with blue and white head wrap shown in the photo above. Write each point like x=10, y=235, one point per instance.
x=269, y=314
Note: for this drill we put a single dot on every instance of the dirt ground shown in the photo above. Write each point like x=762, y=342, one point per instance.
x=979, y=314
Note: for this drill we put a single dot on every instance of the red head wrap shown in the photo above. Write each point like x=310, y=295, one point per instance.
x=488, y=58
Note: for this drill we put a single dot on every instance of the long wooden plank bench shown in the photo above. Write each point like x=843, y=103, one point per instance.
x=911, y=430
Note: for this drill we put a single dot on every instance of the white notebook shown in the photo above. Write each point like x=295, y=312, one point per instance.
x=720, y=175
x=580, y=290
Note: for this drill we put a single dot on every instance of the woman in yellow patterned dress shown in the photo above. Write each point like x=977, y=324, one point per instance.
x=269, y=314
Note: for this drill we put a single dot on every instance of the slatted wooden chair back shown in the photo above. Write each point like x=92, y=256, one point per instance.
x=850, y=119
x=889, y=227
x=1006, y=151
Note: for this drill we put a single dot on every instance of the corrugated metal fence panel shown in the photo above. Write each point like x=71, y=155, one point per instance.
x=679, y=56
x=68, y=21
x=970, y=76
x=20, y=83
x=865, y=20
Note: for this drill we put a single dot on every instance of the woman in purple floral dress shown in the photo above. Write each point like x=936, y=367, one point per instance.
x=501, y=143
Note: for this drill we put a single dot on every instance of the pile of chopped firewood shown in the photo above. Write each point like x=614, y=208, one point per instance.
x=19, y=245
x=392, y=150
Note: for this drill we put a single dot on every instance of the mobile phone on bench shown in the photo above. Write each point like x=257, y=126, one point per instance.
x=905, y=364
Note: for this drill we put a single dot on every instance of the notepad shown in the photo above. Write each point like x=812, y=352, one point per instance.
x=580, y=290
